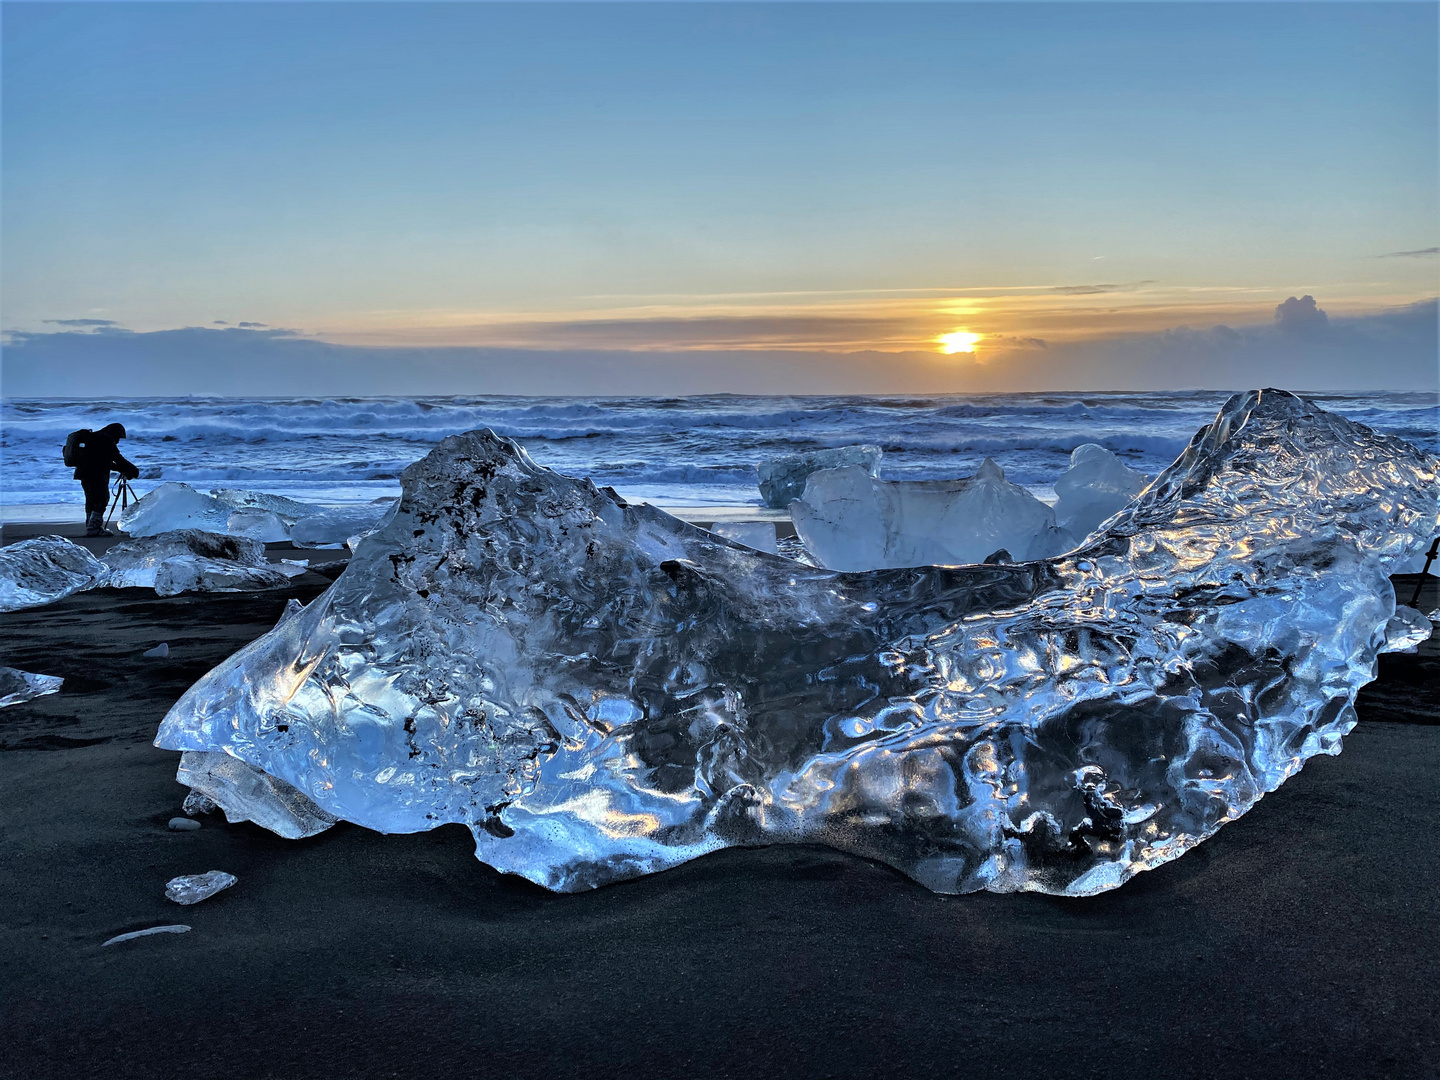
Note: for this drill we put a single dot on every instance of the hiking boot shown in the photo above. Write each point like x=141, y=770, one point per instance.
x=95, y=525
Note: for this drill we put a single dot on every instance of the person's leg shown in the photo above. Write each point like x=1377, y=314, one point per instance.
x=97, y=498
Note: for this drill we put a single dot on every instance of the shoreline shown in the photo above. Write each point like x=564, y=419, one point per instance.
x=73, y=529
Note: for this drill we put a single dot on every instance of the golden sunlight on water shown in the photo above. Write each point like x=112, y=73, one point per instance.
x=957, y=341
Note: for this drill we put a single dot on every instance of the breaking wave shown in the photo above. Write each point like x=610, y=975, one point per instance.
x=696, y=449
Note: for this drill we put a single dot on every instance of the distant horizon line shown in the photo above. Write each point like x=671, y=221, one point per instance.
x=718, y=394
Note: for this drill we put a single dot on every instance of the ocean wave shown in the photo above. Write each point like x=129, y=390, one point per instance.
x=685, y=448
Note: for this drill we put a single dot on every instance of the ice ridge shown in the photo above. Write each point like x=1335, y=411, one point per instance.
x=601, y=691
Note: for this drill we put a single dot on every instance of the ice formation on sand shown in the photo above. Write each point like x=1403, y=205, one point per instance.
x=17, y=686
x=43, y=570
x=600, y=690
x=254, y=514
x=174, y=506
x=851, y=521
x=191, y=560
x=782, y=479
x=1096, y=485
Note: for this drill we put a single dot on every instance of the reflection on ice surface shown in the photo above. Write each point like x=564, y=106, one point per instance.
x=600, y=691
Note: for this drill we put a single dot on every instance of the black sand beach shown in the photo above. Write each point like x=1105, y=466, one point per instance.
x=1301, y=941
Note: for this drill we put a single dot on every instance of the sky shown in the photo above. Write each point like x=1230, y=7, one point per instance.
x=686, y=198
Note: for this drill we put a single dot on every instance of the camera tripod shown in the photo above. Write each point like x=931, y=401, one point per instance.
x=124, y=495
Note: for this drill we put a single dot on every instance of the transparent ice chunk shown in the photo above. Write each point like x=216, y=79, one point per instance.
x=247, y=793
x=851, y=521
x=1406, y=630
x=782, y=479
x=173, y=506
x=600, y=691
x=1096, y=485
x=192, y=888
x=194, y=573
x=43, y=570
x=254, y=514
x=191, y=560
x=17, y=686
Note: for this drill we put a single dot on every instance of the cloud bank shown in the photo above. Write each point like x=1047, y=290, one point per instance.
x=1303, y=348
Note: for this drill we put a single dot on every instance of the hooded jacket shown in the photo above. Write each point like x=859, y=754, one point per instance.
x=97, y=453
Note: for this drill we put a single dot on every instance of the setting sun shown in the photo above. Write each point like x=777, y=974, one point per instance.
x=958, y=341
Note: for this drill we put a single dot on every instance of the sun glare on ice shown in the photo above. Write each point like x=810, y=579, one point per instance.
x=957, y=342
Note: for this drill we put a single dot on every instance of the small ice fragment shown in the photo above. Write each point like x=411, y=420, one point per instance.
x=183, y=824
x=1406, y=630
x=197, y=803
x=159, y=652
x=17, y=686
x=171, y=928
x=192, y=888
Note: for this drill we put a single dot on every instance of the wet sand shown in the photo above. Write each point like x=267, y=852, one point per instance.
x=1301, y=941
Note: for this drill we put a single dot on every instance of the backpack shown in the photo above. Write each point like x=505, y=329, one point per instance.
x=73, y=441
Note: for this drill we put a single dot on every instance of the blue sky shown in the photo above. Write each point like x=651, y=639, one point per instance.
x=803, y=180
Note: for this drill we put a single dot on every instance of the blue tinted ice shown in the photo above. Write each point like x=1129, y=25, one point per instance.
x=601, y=691
x=40, y=571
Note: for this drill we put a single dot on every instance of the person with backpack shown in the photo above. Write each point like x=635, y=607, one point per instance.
x=93, y=454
